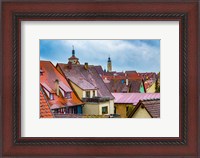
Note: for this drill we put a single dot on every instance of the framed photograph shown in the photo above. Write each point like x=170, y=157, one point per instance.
x=100, y=79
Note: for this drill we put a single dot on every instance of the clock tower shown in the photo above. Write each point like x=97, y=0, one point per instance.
x=109, y=65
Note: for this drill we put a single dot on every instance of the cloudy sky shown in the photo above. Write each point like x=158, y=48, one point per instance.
x=139, y=55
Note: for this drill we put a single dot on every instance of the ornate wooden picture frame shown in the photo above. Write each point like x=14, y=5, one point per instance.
x=184, y=12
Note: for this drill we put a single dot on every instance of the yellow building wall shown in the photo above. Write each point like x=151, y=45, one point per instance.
x=121, y=109
x=96, y=108
x=141, y=113
x=152, y=89
x=78, y=91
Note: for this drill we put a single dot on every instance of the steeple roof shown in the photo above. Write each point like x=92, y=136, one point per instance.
x=109, y=60
x=73, y=54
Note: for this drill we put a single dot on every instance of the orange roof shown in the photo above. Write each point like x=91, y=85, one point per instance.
x=134, y=76
x=121, y=75
x=48, y=77
x=45, y=111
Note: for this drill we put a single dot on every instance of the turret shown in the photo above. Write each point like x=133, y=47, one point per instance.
x=73, y=59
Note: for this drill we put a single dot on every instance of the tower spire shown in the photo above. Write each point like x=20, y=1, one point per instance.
x=109, y=65
x=73, y=51
x=109, y=60
x=73, y=59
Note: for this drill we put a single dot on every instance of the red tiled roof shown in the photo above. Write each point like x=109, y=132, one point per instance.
x=131, y=72
x=147, y=75
x=64, y=87
x=47, y=87
x=122, y=75
x=148, y=83
x=49, y=76
x=45, y=111
x=118, y=85
x=134, y=76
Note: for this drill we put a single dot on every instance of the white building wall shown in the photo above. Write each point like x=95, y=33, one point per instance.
x=95, y=93
x=84, y=94
x=103, y=104
x=91, y=93
x=111, y=106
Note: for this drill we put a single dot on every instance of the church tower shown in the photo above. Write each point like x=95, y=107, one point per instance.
x=109, y=65
x=73, y=59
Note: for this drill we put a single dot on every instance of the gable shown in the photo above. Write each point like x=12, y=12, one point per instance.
x=141, y=113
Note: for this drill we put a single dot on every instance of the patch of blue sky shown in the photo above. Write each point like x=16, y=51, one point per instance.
x=139, y=55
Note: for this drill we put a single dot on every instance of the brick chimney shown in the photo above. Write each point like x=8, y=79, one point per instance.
x=69, y=65
x=57, y=87
x=86, y=66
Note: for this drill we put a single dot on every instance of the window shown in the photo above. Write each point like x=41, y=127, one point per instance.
x=104, y=110
x=87, y=94
x=68, y=95
x=127, y=109
x=51, y=96
x=93, y=93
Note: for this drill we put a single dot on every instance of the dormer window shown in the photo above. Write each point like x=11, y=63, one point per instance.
x=68, y=95
x=51, y=97
x=93, y=93
x=87, y=94
x=41, y=72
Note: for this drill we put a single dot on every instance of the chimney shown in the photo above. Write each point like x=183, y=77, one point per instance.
x=57, y=87
x=127, y=81
x=69, y=65
x=86, y=66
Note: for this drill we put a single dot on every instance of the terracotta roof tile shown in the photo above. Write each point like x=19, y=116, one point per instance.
x=119, y=85
x=64, y=87
x=131, y=72
x=49, y=76
x=45, y=111
x=47, y=87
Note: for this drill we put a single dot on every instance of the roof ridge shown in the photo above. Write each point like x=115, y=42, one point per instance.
x=150, y=99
